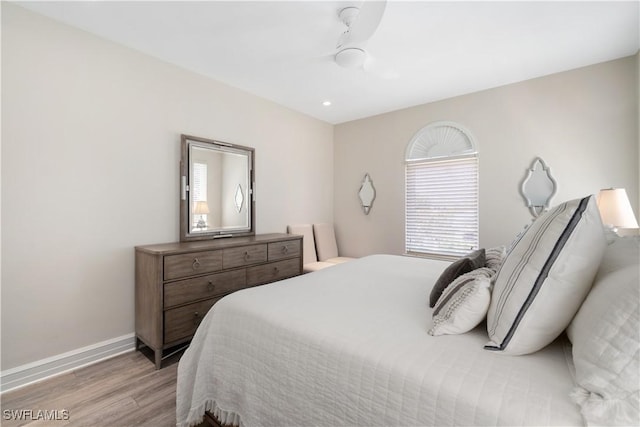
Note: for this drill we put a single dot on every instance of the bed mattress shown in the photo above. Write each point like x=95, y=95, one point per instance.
x=348, y=346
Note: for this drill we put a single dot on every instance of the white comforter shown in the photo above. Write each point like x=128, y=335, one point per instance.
x=348, y=346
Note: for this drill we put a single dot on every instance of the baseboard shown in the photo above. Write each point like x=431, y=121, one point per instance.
x=20, y=376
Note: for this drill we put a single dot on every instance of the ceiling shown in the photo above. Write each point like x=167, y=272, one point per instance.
x=422, y=51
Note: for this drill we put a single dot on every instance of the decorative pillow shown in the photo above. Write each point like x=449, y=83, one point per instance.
x=606, y=340
x=517, y=238
x=494, y=257
x=463, y=304
x=464, y=265
x=545, y=278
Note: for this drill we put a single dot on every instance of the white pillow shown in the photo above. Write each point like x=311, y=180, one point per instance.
x=545, y=278
x=463, y=304
x=606, y=340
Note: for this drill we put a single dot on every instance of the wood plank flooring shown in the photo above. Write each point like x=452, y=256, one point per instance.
x=119, y=392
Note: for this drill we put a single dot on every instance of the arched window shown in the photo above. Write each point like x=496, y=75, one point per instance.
x=441, y=202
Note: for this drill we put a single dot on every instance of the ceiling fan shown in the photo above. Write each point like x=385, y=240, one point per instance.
x=361, y=23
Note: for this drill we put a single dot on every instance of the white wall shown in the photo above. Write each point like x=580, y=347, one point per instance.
x=90, y=155
x=583, y=123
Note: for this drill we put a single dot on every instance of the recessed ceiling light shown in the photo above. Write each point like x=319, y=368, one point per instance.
x=326, y=103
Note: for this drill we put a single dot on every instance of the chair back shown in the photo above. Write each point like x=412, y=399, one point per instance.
x=325, y=238
x=308, y=243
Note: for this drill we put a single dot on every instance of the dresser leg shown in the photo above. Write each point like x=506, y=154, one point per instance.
x=158, y=358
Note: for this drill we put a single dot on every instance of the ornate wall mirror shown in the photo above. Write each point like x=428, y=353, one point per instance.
x=538, y=187
x=367, y=194
x=216, y=189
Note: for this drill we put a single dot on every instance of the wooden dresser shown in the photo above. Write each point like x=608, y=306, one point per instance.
x=177, y=283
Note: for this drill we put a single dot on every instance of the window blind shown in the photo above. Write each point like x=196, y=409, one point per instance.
x=199, y=186
x=442, y=206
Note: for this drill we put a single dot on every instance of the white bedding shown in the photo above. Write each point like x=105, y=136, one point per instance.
x=348, y=346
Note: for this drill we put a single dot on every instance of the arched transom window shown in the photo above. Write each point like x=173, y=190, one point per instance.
x=441, y=202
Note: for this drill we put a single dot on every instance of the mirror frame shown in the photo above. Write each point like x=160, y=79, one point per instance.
x=367, y=194
x=538, y=187
x=185, y=174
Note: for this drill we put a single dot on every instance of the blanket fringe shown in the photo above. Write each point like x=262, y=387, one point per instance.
x=196, y=415
x=598, y=410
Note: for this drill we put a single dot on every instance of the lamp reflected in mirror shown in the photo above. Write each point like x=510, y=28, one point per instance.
x=201, y=208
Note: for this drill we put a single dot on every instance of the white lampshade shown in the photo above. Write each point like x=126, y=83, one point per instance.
x=201, y=208
x=615, y=208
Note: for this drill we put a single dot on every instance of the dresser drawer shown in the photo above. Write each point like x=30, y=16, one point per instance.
x=286, y=249
x=186, y=291
x=246, y=255
x=189, y=264
x=273, y=271
x=182, y=322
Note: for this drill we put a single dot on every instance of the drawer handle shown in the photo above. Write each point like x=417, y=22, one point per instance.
x=196, y=264
x=211, y=286
x=196, y=318
x=246, y=256
x=285, y=249
x=276, y=271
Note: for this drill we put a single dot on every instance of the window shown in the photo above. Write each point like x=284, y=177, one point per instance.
x=199, y=191
x=441, y=204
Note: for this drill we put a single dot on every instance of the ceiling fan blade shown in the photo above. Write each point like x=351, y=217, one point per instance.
x=379, y=69
x=367, y=22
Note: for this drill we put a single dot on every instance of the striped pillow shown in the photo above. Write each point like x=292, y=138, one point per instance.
x=464, y=265
x=494, y=257
x=463, y=304
x=545, y=278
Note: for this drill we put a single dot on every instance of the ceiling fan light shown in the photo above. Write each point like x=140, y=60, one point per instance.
x=351, y=57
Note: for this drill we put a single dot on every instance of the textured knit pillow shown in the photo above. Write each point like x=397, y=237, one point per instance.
x=464, y=265
x=463, y=304
x=606, y=340
x=494, y=257
x=545, y=278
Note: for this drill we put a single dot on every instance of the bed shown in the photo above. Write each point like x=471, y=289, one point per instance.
x=348, y=346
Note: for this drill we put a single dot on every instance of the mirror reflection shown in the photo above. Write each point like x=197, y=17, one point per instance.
x=217, y=185
x=239, y=198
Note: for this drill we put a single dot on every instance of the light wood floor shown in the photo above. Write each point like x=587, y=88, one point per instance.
x=120, y=392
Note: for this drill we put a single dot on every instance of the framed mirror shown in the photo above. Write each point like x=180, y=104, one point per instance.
x=538, y=187
x=216, y=189
x=367, y=194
